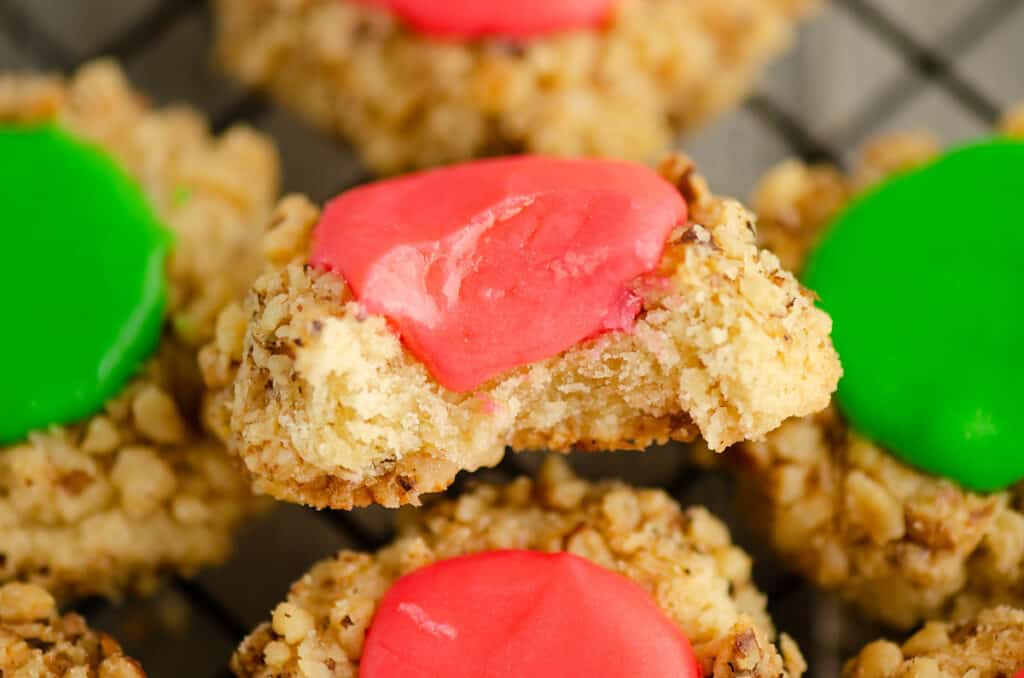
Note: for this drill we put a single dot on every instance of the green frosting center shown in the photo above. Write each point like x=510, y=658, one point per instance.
x=924, y=278
x=82, y=272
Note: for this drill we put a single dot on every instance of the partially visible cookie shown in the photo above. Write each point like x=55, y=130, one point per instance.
x=408, y=98
x=898, y=542
x=327, y=405
x=987, y=645
x=682, y=557
x=134, y=491
x=37, y=642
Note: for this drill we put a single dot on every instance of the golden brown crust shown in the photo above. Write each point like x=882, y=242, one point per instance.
x=135, y=491
x=36, y=642
x=684, y=557
x=794, y=201
x=1013, y=122
x=989, y=645
x=326, y=407
x=407, y=101
x=900, y=544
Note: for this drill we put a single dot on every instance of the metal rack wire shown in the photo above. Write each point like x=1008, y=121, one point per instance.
x=923, y=65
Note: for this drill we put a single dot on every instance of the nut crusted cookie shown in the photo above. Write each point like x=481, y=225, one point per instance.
x=988, y=645
x=135, y=491
x=327, y=407
x=410, y=101
x=36, y=641
x=899, y=543
x=683, y=557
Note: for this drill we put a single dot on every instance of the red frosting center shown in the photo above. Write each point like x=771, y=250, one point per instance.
x=471, y=19
x=509, y=614
x=487, y=266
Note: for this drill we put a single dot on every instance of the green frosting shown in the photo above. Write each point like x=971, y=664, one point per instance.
x=82, y=272
x=924, y=278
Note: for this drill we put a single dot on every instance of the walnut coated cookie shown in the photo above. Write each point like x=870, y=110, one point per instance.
x=36, y=641
x=989, y=644
x=899, y=542
x=682, y=558
x=111, y=500
x=327, y=405
x=410, y=90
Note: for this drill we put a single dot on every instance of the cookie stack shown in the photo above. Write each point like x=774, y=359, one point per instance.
x=196, y=351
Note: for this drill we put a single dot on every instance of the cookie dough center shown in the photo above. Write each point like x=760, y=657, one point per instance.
x=522, y=613
x=922, y=277
x=82, y=269
x=492, y=265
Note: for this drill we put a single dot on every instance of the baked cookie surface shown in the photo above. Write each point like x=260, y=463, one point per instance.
x=37, y=642
x=408, y=101
x=326, y=407
x=987, y=645
x=899, y=543
x=683, y=557
x=111, y=503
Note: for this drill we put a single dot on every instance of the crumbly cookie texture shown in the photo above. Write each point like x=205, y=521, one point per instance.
x=683, y=557
x=326, y=407
x=901, y=544
x=36, y=642
x=409, y=101
x=988, y=645
x=136, y=491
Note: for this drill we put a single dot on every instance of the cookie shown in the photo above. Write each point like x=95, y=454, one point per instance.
x=35, y=640
x=987, y=645
x=682, y=559
x=139, y=229
x=417, y=84
x=937, y=525
x=333, y=394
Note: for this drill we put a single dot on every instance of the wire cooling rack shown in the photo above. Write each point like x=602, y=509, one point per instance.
x=862, y=67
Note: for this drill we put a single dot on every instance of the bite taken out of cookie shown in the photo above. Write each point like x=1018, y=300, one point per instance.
x=417, y=327
x=552, y=576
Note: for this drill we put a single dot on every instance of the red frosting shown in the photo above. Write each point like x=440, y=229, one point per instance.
x=509, y=614
x=1020, y=674
x=471, y=19
x=491, y=265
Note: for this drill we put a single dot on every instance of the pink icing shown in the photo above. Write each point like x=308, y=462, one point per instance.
x=509, y=614
x=491, y=265
x=472, y=19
